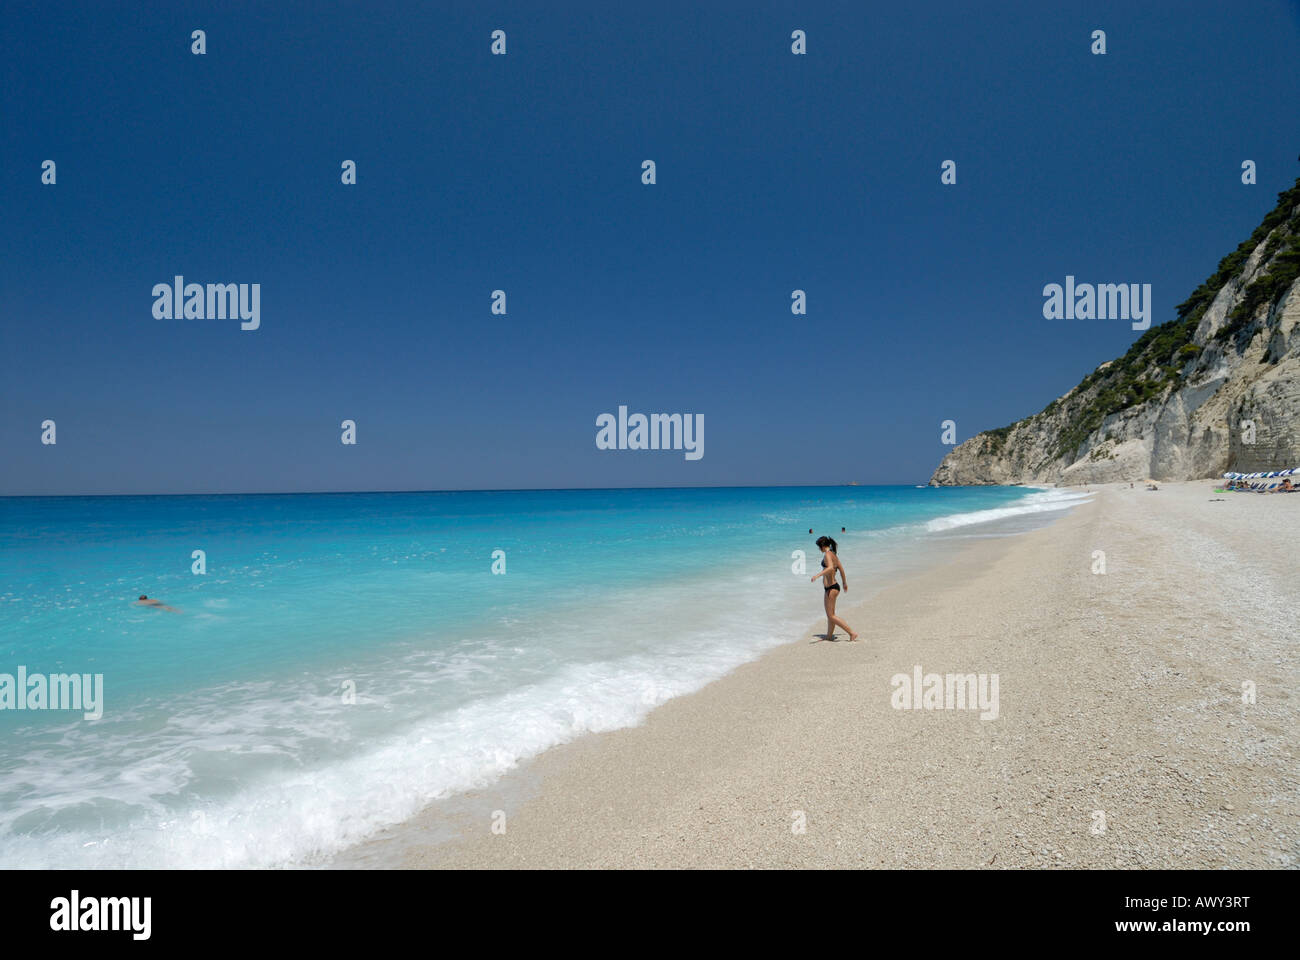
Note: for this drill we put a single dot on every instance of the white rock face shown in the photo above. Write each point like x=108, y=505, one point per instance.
x=1199, y=426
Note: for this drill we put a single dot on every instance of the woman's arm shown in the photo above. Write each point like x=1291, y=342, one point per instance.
x=844, y=577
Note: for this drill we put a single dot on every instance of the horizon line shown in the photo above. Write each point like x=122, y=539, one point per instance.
x=308, y=493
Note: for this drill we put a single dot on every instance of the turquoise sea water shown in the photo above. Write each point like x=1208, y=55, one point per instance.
x=229, y=735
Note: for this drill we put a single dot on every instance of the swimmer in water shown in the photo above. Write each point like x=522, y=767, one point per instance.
x=147, y=602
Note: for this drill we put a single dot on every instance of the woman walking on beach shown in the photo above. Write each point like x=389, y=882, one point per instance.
x=830, y=567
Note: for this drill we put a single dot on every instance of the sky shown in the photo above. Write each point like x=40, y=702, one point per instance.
x=775, y=172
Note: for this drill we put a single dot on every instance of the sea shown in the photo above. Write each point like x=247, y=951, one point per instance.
x=334, y=663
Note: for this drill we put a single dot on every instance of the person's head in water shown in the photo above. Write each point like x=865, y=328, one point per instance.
x=143, y=597
x=824, y=543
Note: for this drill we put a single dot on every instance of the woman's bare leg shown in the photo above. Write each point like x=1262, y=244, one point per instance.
x=832, y=619
x=829, y=606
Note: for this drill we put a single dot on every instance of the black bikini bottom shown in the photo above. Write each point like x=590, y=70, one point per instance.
x=834, y=586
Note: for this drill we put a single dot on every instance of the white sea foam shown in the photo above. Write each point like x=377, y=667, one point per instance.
x=1045, y=501
x=315, y=776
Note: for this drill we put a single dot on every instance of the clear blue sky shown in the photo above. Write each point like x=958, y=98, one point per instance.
x=522, y=172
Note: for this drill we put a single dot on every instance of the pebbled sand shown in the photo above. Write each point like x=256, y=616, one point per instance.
x=1119, y=693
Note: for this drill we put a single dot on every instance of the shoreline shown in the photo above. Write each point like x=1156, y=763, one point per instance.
x=448, y=819
x=1120, y=705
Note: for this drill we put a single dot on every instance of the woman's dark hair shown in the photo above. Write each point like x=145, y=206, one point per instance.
x=827, y=542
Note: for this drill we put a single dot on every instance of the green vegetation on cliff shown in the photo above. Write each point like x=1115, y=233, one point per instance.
x=1159, y=358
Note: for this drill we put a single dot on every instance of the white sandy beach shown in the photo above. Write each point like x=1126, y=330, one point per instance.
x=1120, y=696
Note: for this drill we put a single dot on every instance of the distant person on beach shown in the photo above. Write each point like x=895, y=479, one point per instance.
x=158, y=604
x=830, y=567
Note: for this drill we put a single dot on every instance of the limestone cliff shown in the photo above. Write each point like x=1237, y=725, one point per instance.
x=1216, y=389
